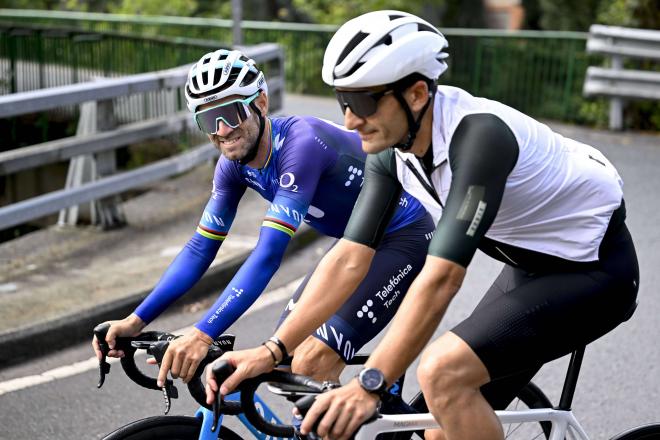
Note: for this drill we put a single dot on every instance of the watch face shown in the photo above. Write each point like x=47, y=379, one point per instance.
x=371, y=379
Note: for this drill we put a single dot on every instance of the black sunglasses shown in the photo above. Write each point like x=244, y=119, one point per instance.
x=362, y=103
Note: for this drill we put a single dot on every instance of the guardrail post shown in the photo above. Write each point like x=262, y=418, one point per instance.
x=616, y=104
x=276, y=96
x=106, y=212
x=237, y=16
x=12, y=42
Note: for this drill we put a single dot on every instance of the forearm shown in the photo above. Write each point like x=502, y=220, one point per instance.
x=248, y=283
x=186, y=269
x=415, y=322
x=335, y=279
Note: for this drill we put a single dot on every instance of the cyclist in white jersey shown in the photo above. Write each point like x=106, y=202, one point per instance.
x=493, y=179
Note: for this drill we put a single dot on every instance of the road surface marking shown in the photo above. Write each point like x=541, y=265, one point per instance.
x=92, y=363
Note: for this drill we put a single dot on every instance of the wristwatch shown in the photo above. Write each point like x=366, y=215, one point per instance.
x=372, y=380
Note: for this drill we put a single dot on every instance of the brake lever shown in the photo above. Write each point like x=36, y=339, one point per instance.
x=157, y=350
x=303, y=405
x=100, y=331
x=221, y=370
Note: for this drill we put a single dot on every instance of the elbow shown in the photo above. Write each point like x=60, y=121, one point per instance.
x=268, y=261
x=440, y=280
x=349, y=259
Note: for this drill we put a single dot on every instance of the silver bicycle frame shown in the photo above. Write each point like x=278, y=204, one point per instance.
x=561, y=421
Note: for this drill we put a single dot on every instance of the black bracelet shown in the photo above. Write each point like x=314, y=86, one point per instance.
x=272, y=354
x=280, y=345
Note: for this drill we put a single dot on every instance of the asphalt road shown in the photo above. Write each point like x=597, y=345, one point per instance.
x=619, y=385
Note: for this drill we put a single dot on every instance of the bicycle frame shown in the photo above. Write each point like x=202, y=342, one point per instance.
x=207, y=419
x=561, y=421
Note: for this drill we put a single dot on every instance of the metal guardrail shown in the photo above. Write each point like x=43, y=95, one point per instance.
x=63, y=149
x=99, y=144
x=55, y=201
x=545, y=80
x=624, y=42
x=106, y=88
x=617, y=83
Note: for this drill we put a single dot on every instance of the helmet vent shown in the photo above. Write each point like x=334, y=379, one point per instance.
x=395, y=16
x=423, y=27
x=353, y=69
x=249, y=77
x=386, y=40
x=357, y=39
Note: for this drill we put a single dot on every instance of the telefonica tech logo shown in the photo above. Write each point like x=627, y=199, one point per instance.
x=365, y=311
x=353, y=172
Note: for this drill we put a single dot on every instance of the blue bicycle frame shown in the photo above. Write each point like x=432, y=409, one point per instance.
x=207, y=419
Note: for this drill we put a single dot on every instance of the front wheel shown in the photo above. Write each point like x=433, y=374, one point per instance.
x=647, y=432
x=166, y=428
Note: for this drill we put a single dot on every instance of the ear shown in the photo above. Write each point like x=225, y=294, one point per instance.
x=262, y=103
x=417, y=95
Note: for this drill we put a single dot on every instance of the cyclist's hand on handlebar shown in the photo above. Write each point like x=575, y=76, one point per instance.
x=130, y=326
x=345, y=409
x=184, y=355
x=248, y=364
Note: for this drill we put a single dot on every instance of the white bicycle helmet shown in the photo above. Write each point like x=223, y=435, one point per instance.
x=220, y=74
x=382, y=47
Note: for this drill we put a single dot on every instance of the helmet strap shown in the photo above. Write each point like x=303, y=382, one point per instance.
x=252, y=152
x=413, y=125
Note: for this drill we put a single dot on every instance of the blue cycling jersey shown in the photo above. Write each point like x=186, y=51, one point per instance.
x=314, y=173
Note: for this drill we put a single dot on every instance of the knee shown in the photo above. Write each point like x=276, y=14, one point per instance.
x=437, y=373
x=315, y=359
x=447, y=375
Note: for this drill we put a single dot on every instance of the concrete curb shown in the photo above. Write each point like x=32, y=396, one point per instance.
x=37, y=340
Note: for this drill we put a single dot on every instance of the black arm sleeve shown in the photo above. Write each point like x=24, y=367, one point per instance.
x=377, y=201
x=482, y=153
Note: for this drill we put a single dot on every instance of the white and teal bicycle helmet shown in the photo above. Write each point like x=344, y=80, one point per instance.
x=220, y=74
x=226, y=73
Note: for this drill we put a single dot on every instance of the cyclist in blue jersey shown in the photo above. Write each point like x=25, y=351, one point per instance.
x=310, y=170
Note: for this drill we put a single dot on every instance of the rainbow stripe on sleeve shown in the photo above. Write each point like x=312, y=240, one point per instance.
x=279, y=225
x=210, y=233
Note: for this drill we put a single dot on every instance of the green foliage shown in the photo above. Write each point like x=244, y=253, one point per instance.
x=594, y=113
x=631, y=13
x=462, y=14
x=180, y=8
x=568, y=15
x=644, y=115
x=337, y=12
x=25, y=4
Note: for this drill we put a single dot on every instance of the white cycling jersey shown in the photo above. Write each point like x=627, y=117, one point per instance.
x=558, y=198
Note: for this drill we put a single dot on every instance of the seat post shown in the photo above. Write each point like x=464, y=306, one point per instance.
x=571, y=379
